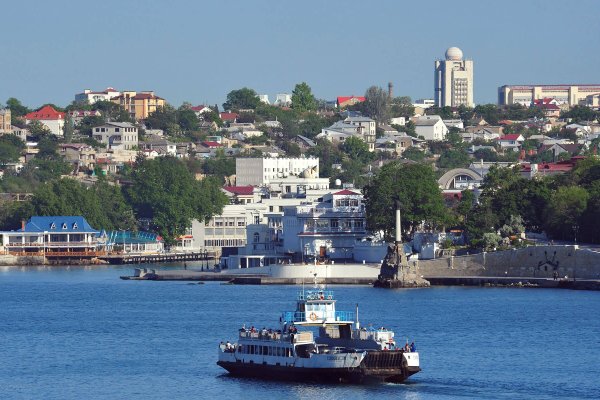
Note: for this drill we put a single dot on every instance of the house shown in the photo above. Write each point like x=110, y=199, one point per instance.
x=385, y=129
x=54, y=238
x=482, y=133
x=549, y=106
x=556, y=149
x=5, y=120
x=346, y=101
x=90, y=97
x=241, y=194
x=283, y=100
x=229, y=117
x=304, y=142
x=431, y=127
x=78, y=115
x=122, y=135
x=363, y=127
x=82, y=155
x=139, y=104
x=400, y=121
x=162, y=146
x=394, y=143
x=199, y=110
x=454, y=123
x=50, y=118
x=511, y=142
x=212, y=145
x=531, y=170
x=21, y=133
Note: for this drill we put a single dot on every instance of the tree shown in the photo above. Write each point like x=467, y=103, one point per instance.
x=187, y=119
x=164, y=191
x=564, y=210
x=10, y=149
x=357, y=149
x=454, y=158
x=414, y=154
x=303, y=99
x=243, y=98
x=112, y=111
x=580, y=113
x=164, y=118
x=415, y=185
x=376, y=103
x=37, y=130
x=68, y=128
x=16, y=108
x=402, y=107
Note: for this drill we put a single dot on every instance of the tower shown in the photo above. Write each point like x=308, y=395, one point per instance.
x=390, y=90
x=454, y=80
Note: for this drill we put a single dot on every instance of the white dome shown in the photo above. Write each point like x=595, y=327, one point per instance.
x=454, y=54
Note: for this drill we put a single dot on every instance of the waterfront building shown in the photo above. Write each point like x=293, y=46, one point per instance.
x=123, y=135
x=55, y=237
x=139, y=104
x=90, y=97
x=50, y=118
x=454, y=80
x=569, y=95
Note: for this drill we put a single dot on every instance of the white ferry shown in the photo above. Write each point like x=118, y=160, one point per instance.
x=342, y=352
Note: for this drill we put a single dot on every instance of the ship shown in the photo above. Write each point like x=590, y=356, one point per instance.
x=317, y=343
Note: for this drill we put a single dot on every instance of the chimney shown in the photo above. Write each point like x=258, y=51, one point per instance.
x=390, y=90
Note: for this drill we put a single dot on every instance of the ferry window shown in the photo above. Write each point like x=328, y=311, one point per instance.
x=270, y=351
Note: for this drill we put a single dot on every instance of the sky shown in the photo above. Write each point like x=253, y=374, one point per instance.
x=198, y=51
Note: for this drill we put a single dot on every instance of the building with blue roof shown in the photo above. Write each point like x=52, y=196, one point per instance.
x=54, y=237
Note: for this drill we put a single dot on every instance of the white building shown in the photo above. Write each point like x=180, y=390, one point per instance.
x=91, y=97
x=264, y=98
x=283, y=100
x=50, y=118
x=362, y=127
x=431, y=127
x=260, y=171
x=454, y=80
x=122, y=135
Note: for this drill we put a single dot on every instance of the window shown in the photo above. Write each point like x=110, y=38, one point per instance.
x=256, y=237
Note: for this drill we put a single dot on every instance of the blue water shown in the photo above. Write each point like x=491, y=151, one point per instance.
x=84, y=334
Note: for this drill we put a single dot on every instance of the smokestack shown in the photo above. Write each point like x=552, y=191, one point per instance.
x=390, y=90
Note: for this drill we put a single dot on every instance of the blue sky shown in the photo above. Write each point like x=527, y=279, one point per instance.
x=199, y=51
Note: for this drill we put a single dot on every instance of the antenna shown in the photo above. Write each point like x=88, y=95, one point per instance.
x=357, y=323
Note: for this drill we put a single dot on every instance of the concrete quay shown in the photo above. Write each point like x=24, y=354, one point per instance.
x=586, y=284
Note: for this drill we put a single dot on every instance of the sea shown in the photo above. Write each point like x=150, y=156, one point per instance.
x=83, y=333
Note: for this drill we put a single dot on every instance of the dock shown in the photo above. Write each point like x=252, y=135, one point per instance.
x=131, y=258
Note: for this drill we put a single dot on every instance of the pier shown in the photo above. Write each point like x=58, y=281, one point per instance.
x=131, y=258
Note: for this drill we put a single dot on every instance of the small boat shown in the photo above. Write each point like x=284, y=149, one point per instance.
x=342, y=351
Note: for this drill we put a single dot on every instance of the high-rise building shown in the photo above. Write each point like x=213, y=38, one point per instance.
x=526, y=95
x=454, y=80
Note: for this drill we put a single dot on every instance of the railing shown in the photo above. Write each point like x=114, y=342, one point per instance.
x=53, y=244
x=330, y=316
x=57, y=253
x=315, y=295
x=277, y=336
x=328, y=229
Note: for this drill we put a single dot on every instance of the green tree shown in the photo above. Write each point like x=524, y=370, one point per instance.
x=376, y=104
x=402, y=107
x=164, y=191
x=10, y=148
x=303, y=99
x=243, y=98
x=16, y=108
x=454, y=158
x=37, y=130
x=415, y=185
x=68, y=129
x=564, y=210
x=357, y=149
x=580, y=113
x=164, y=118
x=414, y=154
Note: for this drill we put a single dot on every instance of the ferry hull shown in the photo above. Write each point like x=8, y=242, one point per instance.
x=334, y=375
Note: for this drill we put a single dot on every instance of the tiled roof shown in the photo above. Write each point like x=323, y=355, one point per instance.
x=513, y=136
x=45, y=113
x=240, y=190
x=66, y=224
x=225, y=116
x=343, y=99
x=212, y=144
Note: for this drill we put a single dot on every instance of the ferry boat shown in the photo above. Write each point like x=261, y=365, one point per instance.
x=343, y=351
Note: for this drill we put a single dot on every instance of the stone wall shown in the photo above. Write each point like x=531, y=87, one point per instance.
x=9, y=260
x=533, y=261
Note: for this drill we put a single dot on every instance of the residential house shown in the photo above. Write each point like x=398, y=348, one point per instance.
x=400, y=121
x=200, y=110
x=363, y=127
x=431, y=127
x=123, y=135
x=229, y=117
x=50, y=118
x=82, y=155
x=139, y=104
x=90, y=97
x=511, y=142
x=21, y=133
x=5, y=120
x=283, y=100
x=394, y=143
x=304, y=142
x=260, y=171
x=384, y=129
x=454, y=123
x=162, y=146
x=549, y=106
x=241, y=194
x=482, y=133
x=557, y=149
x=78, y=115
x=346, y=101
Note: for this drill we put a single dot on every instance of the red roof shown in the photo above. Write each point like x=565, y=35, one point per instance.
x=198, y=108
x=346, y=192
x=225, y=116
x=212, y=144
x=45, y=113
x=343, y=99
x=240, y=190
x=513, y=136
x=505, y=122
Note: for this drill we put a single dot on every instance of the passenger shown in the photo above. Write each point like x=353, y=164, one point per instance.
x=407, y=347
x=413, y=348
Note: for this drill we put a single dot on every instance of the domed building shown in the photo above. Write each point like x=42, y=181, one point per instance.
x=454, y=80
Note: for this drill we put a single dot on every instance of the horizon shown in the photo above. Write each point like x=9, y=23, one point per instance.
x=200, y=52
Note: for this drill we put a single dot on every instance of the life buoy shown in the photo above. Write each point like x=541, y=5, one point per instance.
x=322, y=297
x=313, y=316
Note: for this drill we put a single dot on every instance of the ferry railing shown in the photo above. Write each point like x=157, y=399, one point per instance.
x=291, y=317
x=277, y=336
x=315, y=295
